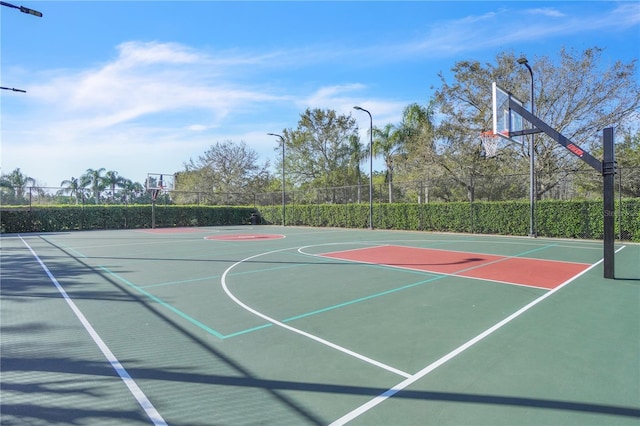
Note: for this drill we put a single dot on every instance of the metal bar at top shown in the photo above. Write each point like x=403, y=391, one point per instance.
x=556, y=136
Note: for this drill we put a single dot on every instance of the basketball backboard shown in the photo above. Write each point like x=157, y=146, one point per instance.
x=505, y=120
x=160, y=181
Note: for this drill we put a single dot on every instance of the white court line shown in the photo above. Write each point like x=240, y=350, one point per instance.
x=274, y=321
x=428, y=369
x=137, y=393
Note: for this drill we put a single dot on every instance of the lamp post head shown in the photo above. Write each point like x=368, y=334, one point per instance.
x=22, y=9
x=362, y=109
x=30, y=11
x=523, y=61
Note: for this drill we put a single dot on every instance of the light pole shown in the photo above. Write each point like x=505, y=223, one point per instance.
x=532, y=174
x=13, y=89
x=370, y=165
x=29, y=12
x=283, y=198
x=22, y=9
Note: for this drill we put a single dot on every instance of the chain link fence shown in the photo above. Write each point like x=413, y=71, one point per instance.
x=568, y=186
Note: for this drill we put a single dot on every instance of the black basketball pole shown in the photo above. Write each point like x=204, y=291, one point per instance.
x=608, y=180
x=607, y=167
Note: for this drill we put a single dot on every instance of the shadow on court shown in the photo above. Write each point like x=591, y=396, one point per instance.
x=42, y=385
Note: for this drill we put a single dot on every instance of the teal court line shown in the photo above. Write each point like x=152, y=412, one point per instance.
x=300, y=316
x=218, y=276
x=221, y=336
x=165, y=304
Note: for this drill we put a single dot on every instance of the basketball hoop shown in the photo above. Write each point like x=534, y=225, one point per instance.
x=154, y=194
x=489, y=143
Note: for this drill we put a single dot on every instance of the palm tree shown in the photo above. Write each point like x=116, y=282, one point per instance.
x=388, y=142
x=94, y=179
x=71, y=186
x=131, y=189
x=111, y=179
x=17, y=182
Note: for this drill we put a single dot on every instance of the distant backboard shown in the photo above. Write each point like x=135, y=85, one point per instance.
x=505, y=120
x=160, y=181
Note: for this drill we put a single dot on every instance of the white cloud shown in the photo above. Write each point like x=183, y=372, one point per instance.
x=153, y=106
x=549, y=12
x=506, y=26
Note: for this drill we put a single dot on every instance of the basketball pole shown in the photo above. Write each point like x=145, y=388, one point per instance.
x=153, y=211
x=532, y=173
x=284, y=202
x=608, y=180
x=607, y=167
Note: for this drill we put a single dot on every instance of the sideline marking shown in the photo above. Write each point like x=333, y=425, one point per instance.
x=429, y=368
x=223, y=281
x=137, y=393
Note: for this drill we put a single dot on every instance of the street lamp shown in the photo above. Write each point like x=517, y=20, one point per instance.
x=370, y=165
x=532, y=176
x=283, y=198
x=22, y=9
x=13, y=89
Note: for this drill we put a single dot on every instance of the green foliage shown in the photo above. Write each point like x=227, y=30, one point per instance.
x=556, y=219
x=67, y=218
x=322, y=151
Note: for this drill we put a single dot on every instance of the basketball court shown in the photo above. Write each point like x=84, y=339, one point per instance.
x=289, y=325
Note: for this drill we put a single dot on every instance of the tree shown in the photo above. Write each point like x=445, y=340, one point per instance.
x=95, y=180
x=72, y=187
x=627, y=156
x=226, y=168
x=358, y=154
x=388, y=142
x=418, y=129
x=17, y=184
x=578, y=97
x=131, y=190
x=319, y=150
x=110, y=180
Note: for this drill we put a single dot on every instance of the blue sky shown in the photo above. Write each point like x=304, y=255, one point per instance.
x=140, y=87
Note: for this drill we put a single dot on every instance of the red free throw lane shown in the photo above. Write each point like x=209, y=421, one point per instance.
x=511, y=270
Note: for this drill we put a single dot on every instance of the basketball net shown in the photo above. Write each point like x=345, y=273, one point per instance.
x=489, y=143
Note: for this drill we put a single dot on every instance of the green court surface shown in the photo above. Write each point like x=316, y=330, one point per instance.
x=280, y=325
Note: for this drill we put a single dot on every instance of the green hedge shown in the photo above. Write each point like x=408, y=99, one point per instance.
x=65, y=218
x=559, y=219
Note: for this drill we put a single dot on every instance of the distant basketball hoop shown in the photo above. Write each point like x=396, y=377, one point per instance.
x=157, y=184
x=489, y=143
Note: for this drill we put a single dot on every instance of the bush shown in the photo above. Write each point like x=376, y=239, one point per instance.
x=553, y=218
x=66, y=218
